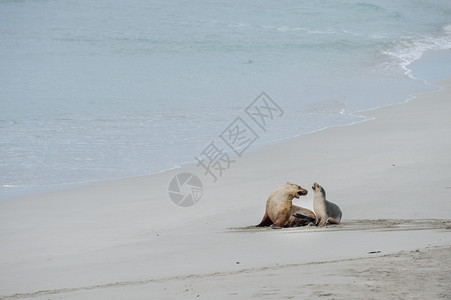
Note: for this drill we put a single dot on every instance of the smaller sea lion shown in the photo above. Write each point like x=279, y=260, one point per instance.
x=326, y=211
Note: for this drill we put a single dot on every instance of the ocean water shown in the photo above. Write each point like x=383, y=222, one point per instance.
x=93, y=90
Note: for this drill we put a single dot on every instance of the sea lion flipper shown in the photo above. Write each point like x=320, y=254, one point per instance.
x=303, y=217
x=266, y=221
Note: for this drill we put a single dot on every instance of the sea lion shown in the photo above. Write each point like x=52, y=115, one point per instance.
x=326, y=211
x=280, y=211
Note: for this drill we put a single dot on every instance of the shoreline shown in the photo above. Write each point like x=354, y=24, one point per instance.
x=426, y=69
x=11, y=192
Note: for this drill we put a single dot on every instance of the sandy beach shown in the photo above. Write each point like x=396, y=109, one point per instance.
x=125, y=239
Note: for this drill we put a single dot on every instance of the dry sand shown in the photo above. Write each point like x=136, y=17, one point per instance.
x=125, y=239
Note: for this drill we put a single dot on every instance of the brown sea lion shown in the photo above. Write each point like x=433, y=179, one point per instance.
x=280, y=211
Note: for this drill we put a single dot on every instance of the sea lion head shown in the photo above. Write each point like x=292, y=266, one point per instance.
x=295, y=190
x=317, y=188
